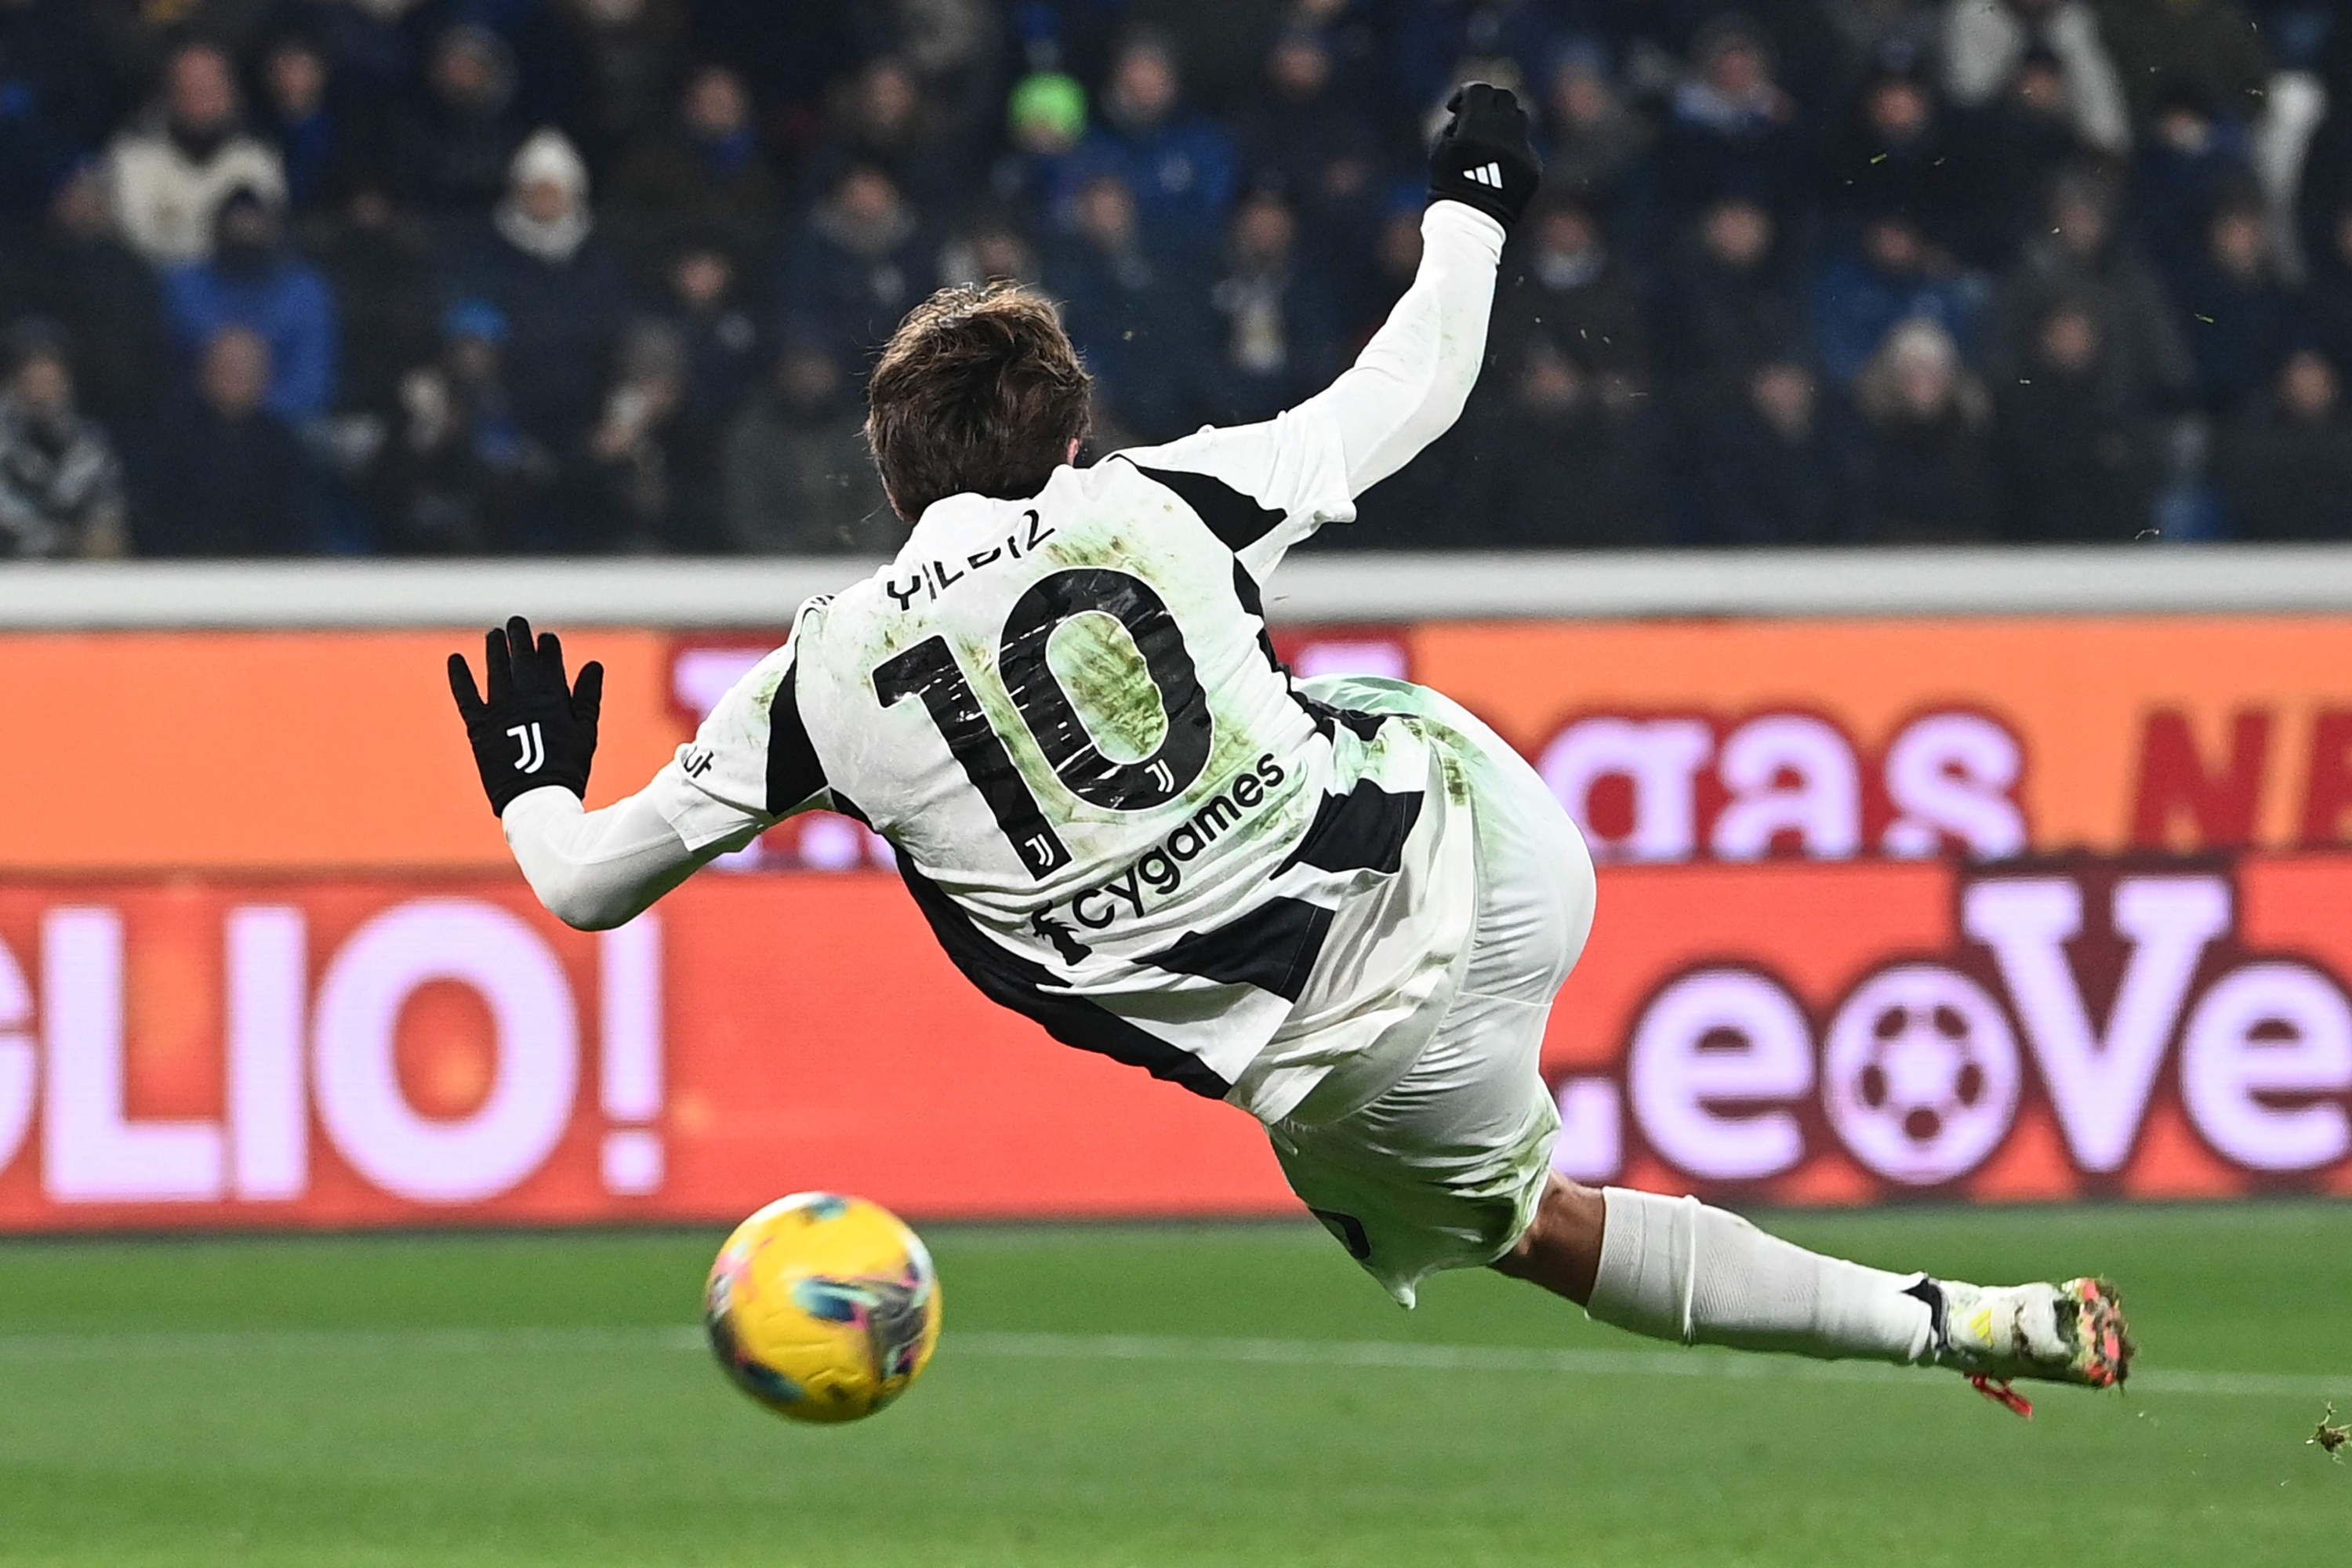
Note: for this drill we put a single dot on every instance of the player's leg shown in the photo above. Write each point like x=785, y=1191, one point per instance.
x=1674, y=1269
x=1422, y=1178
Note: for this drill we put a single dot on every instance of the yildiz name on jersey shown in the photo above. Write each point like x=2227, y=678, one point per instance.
x=2099, y=998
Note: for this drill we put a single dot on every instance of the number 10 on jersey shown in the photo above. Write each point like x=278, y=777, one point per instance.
x=929, y=671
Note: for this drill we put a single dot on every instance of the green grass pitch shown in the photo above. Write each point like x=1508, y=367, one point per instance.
x=1143, y=1396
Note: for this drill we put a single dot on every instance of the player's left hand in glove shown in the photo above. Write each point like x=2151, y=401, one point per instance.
x=535, y=728
x=1483, y=157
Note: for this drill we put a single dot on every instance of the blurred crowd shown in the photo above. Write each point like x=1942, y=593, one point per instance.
x=404, y=276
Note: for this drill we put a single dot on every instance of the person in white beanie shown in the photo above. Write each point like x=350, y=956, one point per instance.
x=545, y=211
x=559, y=284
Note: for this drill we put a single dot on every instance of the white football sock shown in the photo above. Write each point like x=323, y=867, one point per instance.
x=1674, y=1269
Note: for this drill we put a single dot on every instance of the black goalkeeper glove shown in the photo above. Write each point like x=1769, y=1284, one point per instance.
x=1483, y=158
x=536, y=728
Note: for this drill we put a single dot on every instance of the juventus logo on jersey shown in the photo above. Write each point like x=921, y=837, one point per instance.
x=534, y=748
x=1487, y=174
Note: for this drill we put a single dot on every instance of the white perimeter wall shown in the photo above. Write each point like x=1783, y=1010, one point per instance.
x=712, y=594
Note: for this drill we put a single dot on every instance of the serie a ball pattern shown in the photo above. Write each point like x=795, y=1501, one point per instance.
x=1920, y=1074
x=823, y=1308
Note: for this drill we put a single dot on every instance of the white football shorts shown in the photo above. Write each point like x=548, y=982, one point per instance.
x=1444, y=1168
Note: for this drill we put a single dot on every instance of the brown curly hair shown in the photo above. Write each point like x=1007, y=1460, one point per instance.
x=979, y=392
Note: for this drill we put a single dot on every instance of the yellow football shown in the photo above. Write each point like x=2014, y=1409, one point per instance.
x=823, y=1308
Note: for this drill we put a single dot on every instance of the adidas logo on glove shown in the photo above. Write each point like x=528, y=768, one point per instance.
x=1482, y=158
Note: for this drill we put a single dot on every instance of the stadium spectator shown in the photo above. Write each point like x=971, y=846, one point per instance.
x=1306, y=137
x=375, y=51
x=76, y=271
x=2022, y=139
x=2081, y=258
x=553, y=85
x=1128, y=311
x=2321, y=189
x=861, y=260
x=464, y=130
x=1729, y=304
x=1890, y=273
x=880, y=120
x=725, y=352
x=1351, y=29
x=1303, y=137
x=561, y=290
x=1179, y=164
x=2240, y=316
x=1918, y=468
x=1865, y=35
x=378, y=259
x=174, y=168
x=2299, y=33
x=1766, y=470
x=786, y=53
x=725, y=348
x=989, y=247
x=301, y=117
x=1897, y=154
x=1433, y=38
x=142, y=35
x=1729, y=127
x=798, y=477
x=632, y=497
x=1987, y=42
x=626, y=53
x=60, y=482
x=1558, y=459
x=217, y=473
x=2187, y=162
x=708, y=173
x=952, y=46
x=1273, y=325
x=1566, y=294
x=55, y=101
x=1046, y=119
x=2286, y=468
x=2075, y=456
x=1221, y=43
x=2210, y=44
x=1595, y=140
x=1396, y=256
x=457, y=474
x=252, y=281
x=2328, y=302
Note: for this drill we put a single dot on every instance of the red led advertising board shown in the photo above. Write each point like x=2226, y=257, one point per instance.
x=1991, y=909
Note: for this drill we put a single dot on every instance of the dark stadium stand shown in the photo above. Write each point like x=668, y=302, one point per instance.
x=463, y=277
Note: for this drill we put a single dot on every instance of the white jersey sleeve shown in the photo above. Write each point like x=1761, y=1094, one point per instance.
x=750, y=765
x=1305, y=468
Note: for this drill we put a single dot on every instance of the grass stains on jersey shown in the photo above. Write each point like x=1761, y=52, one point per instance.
x=1111, y=685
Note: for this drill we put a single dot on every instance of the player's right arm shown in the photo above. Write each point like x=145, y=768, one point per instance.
x=1409, y=386
x=534, y=739
x=1306, y=467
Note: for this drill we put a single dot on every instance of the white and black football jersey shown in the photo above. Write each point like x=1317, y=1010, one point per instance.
x=1121, y=817
x=1119, y=814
